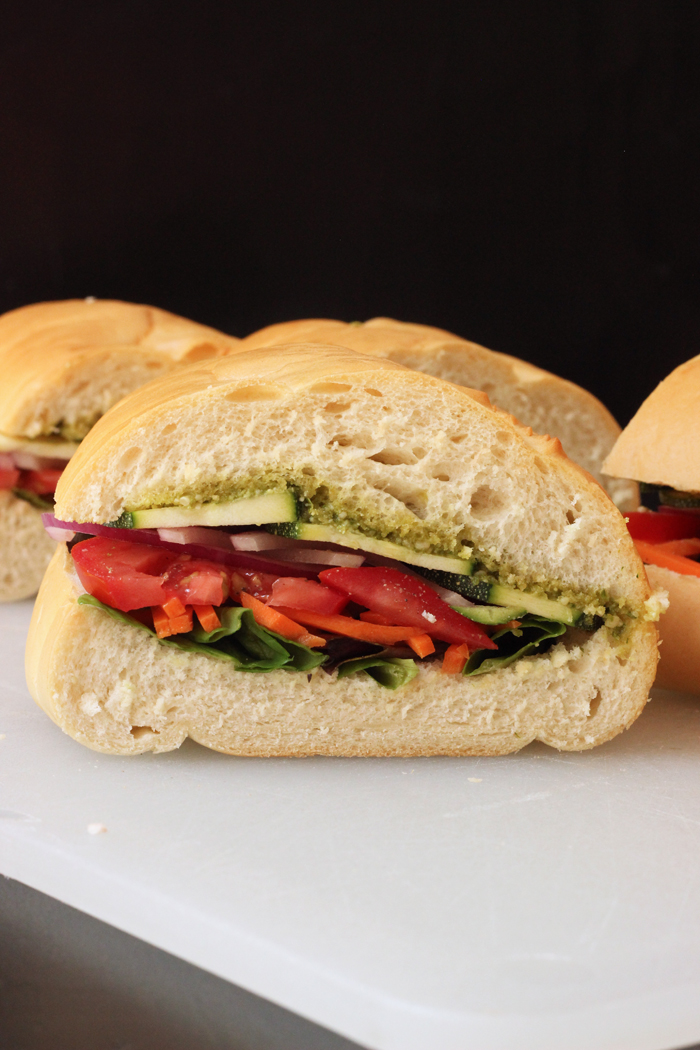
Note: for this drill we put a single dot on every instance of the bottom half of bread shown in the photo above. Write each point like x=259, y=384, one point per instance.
x=25, y=549
x=679, y=630
x=116, y=689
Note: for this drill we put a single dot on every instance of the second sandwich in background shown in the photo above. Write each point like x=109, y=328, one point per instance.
x=661, y=449
x=63, y=364
x=538, y=399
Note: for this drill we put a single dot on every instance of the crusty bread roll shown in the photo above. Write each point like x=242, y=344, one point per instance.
x=25, y=550
x=63, y=364
x=660, y=446
x=545, y=402
x=405, y=455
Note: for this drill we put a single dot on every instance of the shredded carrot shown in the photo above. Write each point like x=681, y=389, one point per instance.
x=685, y=548
x=652, y=554
x=279, y=622
x=512, y=625
x=207, y=616
x=422, y=645
x=181, y=624
x=345, y=625
x=372, y=617
x=455, y=658
x=161, y=622
x=173, y=607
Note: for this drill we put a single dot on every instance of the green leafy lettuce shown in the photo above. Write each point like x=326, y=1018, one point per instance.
x=514, y=643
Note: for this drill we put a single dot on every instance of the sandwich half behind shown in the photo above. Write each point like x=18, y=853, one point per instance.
x=545, y=402
x=660, y=449
x=63, y=364
x=304, y=550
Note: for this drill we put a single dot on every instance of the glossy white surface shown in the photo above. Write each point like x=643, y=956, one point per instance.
x=537, y=902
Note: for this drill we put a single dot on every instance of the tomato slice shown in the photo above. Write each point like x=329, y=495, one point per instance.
x=406, y=600
x=259, y=584
x=295, y=592
x=42, y=482
x=653, y=527
x=196, y=582
x=122, y=574
x=8, y=478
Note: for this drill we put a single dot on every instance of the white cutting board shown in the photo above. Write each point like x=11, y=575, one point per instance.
x=542, y=901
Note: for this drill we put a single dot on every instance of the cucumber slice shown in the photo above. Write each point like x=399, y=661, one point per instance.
x=255, y=510
x=532, y=603
x=679, y=500
x=300, y=530
x=491, y=615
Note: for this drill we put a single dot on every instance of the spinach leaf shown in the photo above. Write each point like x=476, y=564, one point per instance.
x=389, y=671
x=513, y=643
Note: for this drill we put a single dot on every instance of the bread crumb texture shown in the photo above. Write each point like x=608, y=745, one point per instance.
x=25, y=551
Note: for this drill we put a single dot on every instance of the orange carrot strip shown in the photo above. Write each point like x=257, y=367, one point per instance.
x=174, y=607
x=181, y=624
x=650, y=553
x=345, y=625
x=207, y=616
x=161, y=622
x=685, y=548
x=277, y=621
x=422, y=645
x=454, y=659
x=372, y=617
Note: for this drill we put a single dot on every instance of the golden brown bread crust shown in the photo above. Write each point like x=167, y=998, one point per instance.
x=546, y=402
x=660, y=445
x=79, y=355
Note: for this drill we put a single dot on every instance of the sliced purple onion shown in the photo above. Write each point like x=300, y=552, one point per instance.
x=258, y=541
x=318, y=557
x=199, y=534
x=150, y=537
x=60, y=535
x=7, y=461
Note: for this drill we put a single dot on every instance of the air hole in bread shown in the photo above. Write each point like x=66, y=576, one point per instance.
x=129, y=456
x=255, y=392
x=442, y=477
x=392, y=457
x=138, y=732
x=571, y=516
x=594, y=705
x=419, y=453
x=170, y=429
x=373, y=392
x=329, y=388
x=416, y=502
x=456, y=438
x=342, y=440
x=337, y=407
x=486, y=503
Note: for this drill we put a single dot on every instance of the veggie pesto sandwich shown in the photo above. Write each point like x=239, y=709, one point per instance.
x=303, y=550
x=545, y=402
x=63, y=364
x=659, y=449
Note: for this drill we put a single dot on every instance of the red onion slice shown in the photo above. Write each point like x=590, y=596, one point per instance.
x=197, y=550
x=318, y=557
x=60, y=535
x=258, y=541
x=199, y=534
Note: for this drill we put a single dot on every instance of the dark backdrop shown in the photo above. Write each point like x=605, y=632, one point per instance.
x=523, y=173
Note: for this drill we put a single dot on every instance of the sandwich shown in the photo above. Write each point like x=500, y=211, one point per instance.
x=63, y=364
x=308, y=551
x=659, y=449
x=545, y=402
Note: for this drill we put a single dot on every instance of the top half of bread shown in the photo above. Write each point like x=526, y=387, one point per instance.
x=545, y=402
x=365, y=442
x=63, y=364
x=660, y=445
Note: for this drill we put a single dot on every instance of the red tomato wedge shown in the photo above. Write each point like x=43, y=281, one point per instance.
x=295, y=592
x=653, y=527
x=197, y=582
x=651, y=554
x=121, y=574
x=406, y=600
x=8, y=478
x=42, y=482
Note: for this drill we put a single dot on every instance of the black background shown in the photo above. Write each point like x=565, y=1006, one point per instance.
x=523, y=173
